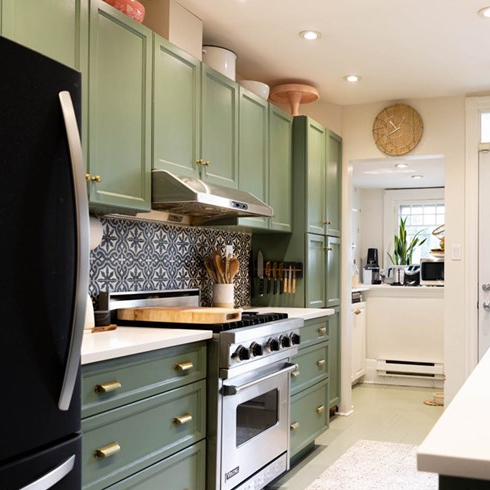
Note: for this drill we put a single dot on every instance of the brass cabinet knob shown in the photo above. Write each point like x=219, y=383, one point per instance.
x=183, y=419
x=320, y=409
x=295, y=374
x=93, y=178
x=207, y=163
x=106, y=451
x=357, y=312
x=322, y=331
x=325, y=222
x=184, y=366
x=108, y=386
x=320, y=362
x=200, y=162
x=294, y=425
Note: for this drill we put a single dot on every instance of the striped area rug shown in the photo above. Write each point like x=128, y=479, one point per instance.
x=375, y=465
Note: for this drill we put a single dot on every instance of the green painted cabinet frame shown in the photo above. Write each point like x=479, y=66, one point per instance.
x=334, y=358
x=253, y=160
x=119, y=140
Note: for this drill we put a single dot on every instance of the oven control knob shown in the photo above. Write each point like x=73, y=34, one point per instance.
x=256, y=349
x=242, y=353
x=273, y=344
x=295, y=339
x=285, y=341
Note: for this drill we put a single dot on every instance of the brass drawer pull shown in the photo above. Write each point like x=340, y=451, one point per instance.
x=294, y=425
x=320, y=409
x=295, y=374
x=322, y=330
x=107, y=387
x=184, y=366
x=106, y=451
x=357, y=312
x=183, y=419
x=320, y=363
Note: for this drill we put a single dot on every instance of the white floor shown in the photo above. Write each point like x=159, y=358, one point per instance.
x=381, y=413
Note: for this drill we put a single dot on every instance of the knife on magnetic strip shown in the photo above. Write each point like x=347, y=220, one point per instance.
x=260, y=272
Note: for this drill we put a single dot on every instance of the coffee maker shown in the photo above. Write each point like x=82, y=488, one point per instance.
x=371, y=269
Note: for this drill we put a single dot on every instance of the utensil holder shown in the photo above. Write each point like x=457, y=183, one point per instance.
x=223, y=295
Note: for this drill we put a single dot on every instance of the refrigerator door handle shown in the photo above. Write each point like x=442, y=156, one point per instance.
x=49, y=480
x=81, y=206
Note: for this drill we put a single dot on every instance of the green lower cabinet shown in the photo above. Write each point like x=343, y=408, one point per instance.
x=313, y=364
x=119, y=140
x=309, y=418
x=334, y=368
x=120, y=442
x=333, y=272
x=186, y=469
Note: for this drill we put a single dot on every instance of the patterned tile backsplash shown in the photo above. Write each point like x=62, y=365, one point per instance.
x=136, y=255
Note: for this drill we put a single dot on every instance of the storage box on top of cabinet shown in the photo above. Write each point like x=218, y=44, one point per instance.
x=143, y=416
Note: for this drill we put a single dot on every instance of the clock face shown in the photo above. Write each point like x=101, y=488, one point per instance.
x=397, y=129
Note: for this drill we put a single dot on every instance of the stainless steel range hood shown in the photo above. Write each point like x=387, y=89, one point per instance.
x=204, y=201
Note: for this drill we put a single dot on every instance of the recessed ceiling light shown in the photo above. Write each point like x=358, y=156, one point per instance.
x=352, y=78
x=310, y=35
x=401, y=165
x=417, y=176
x=484, y=12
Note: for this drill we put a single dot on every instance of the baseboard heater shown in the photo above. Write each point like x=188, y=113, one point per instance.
x=412, y=369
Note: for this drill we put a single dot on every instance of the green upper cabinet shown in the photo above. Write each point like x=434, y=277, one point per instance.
x=334, y=186
x=195, y=117
x=55, y=28
x=119, y=162
x=176, y=109
x=318, y=154
x=253, y=174
x=219, y=128
x=280, y=168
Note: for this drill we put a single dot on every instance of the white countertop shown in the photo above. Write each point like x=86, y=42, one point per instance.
x=125, y=341
x=305, y=313
x=458, y=445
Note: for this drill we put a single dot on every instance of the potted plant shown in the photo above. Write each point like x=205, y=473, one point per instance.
x=402, y=253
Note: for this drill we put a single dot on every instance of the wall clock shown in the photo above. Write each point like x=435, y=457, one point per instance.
x=397, y=129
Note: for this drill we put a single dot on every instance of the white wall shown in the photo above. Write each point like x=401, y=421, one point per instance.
x=444, y=133
x=372, y=223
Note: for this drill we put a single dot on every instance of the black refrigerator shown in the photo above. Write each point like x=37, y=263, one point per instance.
x=43, y=271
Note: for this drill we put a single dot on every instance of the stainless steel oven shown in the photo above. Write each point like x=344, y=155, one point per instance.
x=249, y=373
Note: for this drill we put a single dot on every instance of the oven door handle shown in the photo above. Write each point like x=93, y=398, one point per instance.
x=228, y=390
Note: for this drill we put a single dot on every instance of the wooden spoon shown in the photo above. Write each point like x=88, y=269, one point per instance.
x=208, y=264
x=233, y=269
x=219, y=269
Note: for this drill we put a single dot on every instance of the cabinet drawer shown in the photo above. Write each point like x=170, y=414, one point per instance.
x=312, y=367
x=125, y=440
x=309, y=416
x=186, y=469
x=113, y=383
x=314, y=331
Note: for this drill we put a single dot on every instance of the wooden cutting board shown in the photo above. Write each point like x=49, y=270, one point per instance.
x=180, y=314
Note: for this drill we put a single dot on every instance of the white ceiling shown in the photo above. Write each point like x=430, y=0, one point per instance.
x=383, y=174
x=402, y=49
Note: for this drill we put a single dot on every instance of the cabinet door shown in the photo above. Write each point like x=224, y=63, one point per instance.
x=334, y=357
x=333, y=183
x=280, y=168
x=176, y=109
x=358, y=358
x=253, y=175
x=315, y=271
x=219, y=144
x=120, y=110
x=333, y=272
x=55, y=28
x=315, y=179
